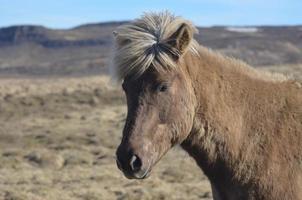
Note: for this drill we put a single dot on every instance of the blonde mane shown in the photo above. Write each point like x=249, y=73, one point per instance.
x=143, y=43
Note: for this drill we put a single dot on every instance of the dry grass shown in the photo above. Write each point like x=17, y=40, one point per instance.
x=58, y=138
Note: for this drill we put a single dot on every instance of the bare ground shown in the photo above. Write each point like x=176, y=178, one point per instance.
x=58, y=138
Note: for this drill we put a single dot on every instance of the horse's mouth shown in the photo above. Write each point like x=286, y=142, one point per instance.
x=134, y=176
x=143, y=174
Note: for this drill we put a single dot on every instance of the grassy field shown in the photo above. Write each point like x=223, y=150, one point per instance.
x=58, y=139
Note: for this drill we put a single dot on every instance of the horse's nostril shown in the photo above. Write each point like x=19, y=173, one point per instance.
x=135, y=163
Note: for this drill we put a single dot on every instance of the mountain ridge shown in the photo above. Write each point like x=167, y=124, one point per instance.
x=85, y=49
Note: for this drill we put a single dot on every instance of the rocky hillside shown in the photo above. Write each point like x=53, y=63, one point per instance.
x=84, y=50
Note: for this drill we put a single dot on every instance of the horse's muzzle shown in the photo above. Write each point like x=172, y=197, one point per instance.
x=132, y=165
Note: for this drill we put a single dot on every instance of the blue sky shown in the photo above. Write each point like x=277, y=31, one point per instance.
x=69, y=13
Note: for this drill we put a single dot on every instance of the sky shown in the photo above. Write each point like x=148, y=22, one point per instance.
x=70, y=13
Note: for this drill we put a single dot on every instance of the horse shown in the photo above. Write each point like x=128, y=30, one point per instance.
x=243, y=127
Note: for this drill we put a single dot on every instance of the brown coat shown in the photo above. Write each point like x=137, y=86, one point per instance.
x=247, y=135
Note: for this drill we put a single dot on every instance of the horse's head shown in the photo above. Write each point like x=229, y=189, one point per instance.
x=160, y=97
x=160, y=115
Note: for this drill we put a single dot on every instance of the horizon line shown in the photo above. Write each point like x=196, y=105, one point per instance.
x=125, y=21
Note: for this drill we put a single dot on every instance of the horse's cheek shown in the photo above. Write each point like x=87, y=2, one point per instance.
x=187, y=115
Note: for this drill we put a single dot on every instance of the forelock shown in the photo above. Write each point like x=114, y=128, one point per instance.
x=141, y=44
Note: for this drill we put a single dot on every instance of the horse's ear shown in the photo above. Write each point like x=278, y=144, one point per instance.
x=181, y=38
x=120, y=41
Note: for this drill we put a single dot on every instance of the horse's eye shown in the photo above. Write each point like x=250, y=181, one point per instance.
x=162, y=87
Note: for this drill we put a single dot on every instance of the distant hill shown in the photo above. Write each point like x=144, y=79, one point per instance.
x=84, y=50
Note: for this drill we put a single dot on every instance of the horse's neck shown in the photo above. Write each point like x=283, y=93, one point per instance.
x=219, y=89
x=224, y=91
x=237, y=132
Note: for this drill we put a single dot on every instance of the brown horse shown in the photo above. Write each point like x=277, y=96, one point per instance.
x=243, y=128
